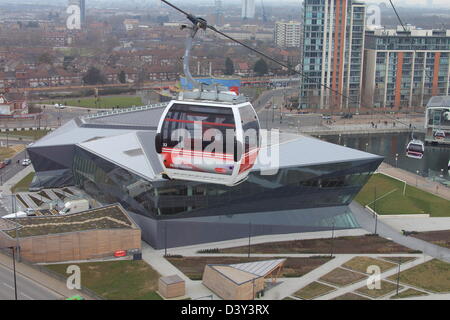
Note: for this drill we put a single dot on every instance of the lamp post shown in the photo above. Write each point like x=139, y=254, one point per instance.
x=417, y=177
x=442, y=173
x=14, y=271
x=249, y=237
x=396, y=160
x=332, y=240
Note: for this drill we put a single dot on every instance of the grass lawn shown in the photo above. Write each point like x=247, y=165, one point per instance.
x=362, y=263
x=409, y=293
x=396, y=260
x=313, y=290
x=351, y=296
x=6, y=153
x=117, y=280
x=433, y=275
x=415, y=201
x=386, y=288
x=35, y=134
x=193, y=267
x=341, y=277
x=103, y=102
x=341, y=245
x=24, y=184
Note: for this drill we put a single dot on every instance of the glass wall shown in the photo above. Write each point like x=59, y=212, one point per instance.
x=327, y=185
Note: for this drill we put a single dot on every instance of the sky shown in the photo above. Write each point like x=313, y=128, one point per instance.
x=402, y=3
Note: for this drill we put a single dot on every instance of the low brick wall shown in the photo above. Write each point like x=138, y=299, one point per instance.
x=83, y=245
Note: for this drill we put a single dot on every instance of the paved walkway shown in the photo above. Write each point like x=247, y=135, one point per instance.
x=367, y=221
x=289, y=286
x=416, y=223
x=194, y=289
x=47, y=281
x=416, y=180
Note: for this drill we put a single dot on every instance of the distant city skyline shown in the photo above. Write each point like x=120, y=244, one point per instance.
x=402, y=3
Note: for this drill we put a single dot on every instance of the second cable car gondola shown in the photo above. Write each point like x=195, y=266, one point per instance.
x=208, y=141
x=415, y=149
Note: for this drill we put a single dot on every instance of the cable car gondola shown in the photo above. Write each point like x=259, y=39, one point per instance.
x=208, y=141
x=208, y=134
x=439, y=135
x=415, y=149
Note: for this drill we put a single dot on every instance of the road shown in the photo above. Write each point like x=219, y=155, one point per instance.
x=269, y=117
x=27, y=289
x=12, y=169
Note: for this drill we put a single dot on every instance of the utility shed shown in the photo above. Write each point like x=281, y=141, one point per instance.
x=171, y=287
x=240, y=281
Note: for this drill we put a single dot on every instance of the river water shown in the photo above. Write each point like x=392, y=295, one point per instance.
x=434, y=164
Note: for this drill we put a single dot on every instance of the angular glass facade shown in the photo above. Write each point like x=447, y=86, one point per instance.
x=326, y=185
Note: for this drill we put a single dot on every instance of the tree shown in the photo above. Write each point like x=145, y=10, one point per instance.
x=94, y=76
x=261, y=67
x=122, y=77
x=229, y=67
x=45, y=58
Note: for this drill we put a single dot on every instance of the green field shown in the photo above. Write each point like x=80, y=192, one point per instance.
x=101, y=102
x=117, y=280
x=433, y=275
x=30, y=134
x=390, y=198
x=24, y=184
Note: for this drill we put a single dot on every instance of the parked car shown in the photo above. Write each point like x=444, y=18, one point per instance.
x=7, y=161
x=59, y=106
x=326, y=117
x=347, y=116
x=26, y=162
x=2, y=165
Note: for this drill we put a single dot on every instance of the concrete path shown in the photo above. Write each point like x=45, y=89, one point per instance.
x=192, y=250
x=289, y=286
x=416, y=180
x=367, y=221
x=417, y=224
x=35, y=284
x=194, y=289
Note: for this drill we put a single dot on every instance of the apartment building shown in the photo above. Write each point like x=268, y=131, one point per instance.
x=333, y=47
x=288, y=34
x=405, y=68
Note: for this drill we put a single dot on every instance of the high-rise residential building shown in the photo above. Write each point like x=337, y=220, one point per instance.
x=405, y=68
x=219, y=12
x=83, y=12
x=288, y=34
x=248, y=9
x=333, y=47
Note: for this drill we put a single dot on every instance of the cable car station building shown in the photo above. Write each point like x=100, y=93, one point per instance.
x=112, y=157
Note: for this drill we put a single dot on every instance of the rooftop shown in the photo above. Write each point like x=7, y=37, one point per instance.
x=110, y=217
x=132, y=133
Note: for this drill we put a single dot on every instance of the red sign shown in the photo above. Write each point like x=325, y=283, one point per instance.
x=235, y=89
x=120, y=253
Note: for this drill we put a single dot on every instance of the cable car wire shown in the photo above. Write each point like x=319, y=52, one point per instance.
x=212, y=28
x=203, y=25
